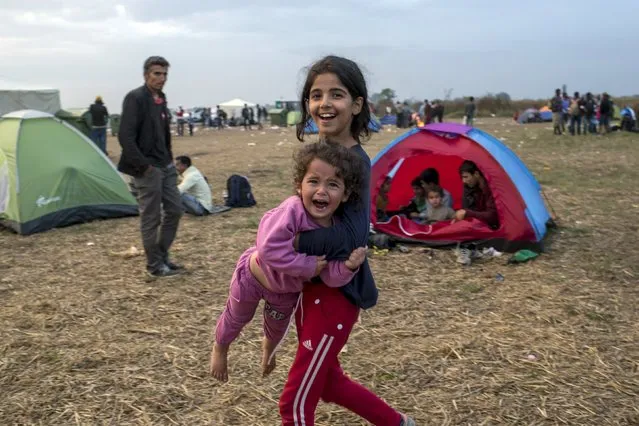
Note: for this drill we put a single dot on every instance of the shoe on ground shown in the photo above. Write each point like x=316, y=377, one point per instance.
x=174, y=266
x=464, y=256
x=162, y=272
x=407, y=421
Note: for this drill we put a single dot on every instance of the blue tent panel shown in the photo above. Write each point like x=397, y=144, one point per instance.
x=523, y=179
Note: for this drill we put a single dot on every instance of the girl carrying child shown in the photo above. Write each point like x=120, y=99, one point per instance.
x=335, y=97
x=325, y=176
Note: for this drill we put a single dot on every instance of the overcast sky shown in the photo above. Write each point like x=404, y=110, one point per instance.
x=256, y=49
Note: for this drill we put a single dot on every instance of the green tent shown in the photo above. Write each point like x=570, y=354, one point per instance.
x=293, y=117
x=52, y=175
x=80, y=119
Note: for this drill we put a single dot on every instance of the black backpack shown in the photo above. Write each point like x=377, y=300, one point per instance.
x=239, y=192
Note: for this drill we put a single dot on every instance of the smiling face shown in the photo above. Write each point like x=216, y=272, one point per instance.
x=332, y=108
x=322, y=191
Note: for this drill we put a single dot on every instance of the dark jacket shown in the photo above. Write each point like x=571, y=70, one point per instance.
x=480, y=204
x=140, y=131
x=338, y=241
x=99, y=115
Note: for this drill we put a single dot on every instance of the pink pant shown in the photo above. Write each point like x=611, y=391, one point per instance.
x=244, y=295
x=324, y=322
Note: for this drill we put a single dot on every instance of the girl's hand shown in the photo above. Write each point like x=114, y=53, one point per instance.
x=356, y=258
x=321, y=264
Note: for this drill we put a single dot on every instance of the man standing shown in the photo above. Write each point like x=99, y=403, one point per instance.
x=145, y=138
x=99, y=120
x=194, y=189
x=605, y=113
x=469, y=111
x=246, y=117
x=556, y=106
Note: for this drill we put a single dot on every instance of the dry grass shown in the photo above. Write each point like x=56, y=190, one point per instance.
x=86, y=339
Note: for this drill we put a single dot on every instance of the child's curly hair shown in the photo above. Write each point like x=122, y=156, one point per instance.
x=349, y=165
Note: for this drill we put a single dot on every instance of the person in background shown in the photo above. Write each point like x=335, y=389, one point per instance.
x=565, y=108
x=590, y=111
x=246, y=116
x=194, y=189
x=556, y=106
x=381, y=202
x=605, y=113
x=575, y=115
x=180, y=121
x=145, y=137
x=99, y=120
x=478, y=200
x=469, y=111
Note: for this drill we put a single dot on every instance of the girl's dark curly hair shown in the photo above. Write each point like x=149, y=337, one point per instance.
x=349, y=165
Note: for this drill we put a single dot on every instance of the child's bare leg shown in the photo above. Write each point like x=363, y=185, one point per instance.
x=268, y=356
x=219, y=362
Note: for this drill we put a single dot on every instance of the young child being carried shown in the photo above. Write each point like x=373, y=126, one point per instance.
x=436, y=210
x=325, y=176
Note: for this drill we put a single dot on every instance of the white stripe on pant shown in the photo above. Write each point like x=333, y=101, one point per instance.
x=321, y=351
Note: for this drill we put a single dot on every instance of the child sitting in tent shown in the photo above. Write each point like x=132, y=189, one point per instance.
x=478, y=200
x=381, y=202
x=437, y=210
x=430, y=180
x=418, y=203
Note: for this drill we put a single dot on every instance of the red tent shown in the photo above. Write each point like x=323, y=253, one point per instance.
x=444, y=146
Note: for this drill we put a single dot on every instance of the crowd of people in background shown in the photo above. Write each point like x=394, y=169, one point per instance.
x=588, y=114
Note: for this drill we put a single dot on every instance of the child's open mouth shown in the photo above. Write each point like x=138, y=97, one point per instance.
x=326, y=116
x=320, y=205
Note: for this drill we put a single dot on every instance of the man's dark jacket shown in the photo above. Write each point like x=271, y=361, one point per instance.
x=140, y=131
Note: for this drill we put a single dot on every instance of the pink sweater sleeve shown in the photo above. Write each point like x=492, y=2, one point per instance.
x=336, y=274
x=275, y=237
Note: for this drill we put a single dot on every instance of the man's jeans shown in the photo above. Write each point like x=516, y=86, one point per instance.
x=160, y=212
x=99, y=138
x=575, y=124
x=193, y=206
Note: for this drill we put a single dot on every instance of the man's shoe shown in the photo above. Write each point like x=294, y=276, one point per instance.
x=407, y=421
x=162, y=272
x=174, y=266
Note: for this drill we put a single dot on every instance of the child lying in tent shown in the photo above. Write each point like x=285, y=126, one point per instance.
x=418, y=204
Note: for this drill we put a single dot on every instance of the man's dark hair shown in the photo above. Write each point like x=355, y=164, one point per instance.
x=472, y=98
x=155, y=60
x=469, y=167
x=417, y=182
x=577, y=95
x=184, y=160
x=430, y=175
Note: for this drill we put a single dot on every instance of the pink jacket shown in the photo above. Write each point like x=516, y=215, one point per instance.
x=287, y=270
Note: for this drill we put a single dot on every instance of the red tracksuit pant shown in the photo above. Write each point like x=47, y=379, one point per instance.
x=324, y=321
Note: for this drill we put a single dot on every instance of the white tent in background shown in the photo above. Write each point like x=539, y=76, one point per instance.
x=234, y=106
x=15, y=96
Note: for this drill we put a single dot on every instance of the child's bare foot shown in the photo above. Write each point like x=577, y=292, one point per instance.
x=219, y=360
x=268, y=356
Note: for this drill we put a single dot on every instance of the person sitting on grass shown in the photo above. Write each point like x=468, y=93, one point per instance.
x=430, y=179
x=437, y=211
x=194, y=189
x=478, y=200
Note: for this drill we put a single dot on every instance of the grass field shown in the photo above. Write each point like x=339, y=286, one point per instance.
x=86, y=339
